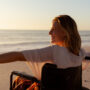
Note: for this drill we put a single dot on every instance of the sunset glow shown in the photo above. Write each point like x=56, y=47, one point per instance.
x=38, y=14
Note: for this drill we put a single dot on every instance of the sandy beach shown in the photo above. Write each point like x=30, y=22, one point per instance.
x=86, y=77
x=6, y=69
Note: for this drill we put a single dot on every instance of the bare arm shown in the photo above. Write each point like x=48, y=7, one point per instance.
x=11, y=57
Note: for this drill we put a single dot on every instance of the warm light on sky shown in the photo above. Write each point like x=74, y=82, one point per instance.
x=38, y=14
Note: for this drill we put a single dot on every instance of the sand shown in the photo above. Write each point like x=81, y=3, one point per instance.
x=6, y=69
x=86, y=77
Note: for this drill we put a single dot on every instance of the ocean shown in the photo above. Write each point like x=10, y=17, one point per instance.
x=30, y=39
x=23, y=39
x=17, y=40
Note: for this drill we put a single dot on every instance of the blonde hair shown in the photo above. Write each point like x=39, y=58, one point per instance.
x=72, y=40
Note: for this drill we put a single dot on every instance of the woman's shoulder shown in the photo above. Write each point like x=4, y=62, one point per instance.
x=64, y=50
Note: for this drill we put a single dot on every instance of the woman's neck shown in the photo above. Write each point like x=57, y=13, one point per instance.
x=61, y=44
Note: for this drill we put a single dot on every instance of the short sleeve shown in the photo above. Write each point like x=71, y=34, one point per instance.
x=38, y=55
x=83, y=53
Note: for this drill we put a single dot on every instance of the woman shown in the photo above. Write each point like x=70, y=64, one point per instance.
x=65, y=52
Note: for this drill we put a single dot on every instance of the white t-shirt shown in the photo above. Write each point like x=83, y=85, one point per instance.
x=55, y=54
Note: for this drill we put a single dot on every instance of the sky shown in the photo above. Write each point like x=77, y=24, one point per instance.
x=38, y=14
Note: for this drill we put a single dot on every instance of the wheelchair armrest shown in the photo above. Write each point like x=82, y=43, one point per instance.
x=87, y=57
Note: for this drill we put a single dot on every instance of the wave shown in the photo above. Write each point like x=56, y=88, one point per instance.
x=7, y=44
x=24, y=43
x=85, y=41
x=85, y=35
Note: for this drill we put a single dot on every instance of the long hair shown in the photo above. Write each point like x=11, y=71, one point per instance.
x=72, y=40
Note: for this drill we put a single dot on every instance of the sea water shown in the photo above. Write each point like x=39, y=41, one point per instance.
x=30, y=39
x=23, y=39
x=18, y=40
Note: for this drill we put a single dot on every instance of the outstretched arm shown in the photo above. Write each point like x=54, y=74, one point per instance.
x=11, y=57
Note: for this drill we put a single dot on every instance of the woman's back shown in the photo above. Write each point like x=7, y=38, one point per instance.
x=52, y=54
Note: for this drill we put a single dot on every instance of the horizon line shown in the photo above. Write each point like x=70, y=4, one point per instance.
x=40, y=29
